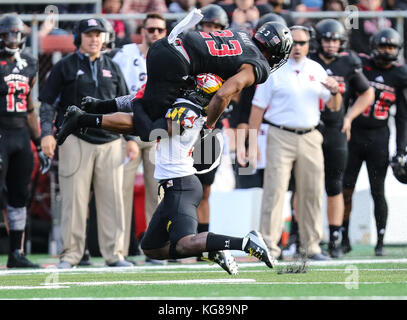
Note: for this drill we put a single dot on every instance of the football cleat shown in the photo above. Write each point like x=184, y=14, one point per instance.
x=334, y=250
x=254, y=245
x=378, y=250
x=223, y=258
x=345, y=244
x=17, y=259
x=70, y=123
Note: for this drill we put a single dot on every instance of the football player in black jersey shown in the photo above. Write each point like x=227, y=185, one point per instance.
x=346, y=68
x=370, y=132
x=18, y=124
x=233, y=55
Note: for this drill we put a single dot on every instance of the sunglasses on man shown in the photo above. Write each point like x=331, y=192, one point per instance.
x=152, y=30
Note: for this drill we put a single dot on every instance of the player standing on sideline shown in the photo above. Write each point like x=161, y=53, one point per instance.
x=346, y=68
x=172, y=232
x=18, y=124
x=370, y=132
x=236, y=57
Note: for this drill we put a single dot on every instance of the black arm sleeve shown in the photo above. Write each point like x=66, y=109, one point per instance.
x=47, y=113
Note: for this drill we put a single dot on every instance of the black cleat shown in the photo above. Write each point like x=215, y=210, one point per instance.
x=345, y=244
x=17, y=259
x=378, y=250
x=70, y=123
x=254, y=245
x=223, y=258
x=334, y=250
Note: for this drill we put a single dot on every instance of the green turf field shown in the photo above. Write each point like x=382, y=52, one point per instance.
x=359, y=275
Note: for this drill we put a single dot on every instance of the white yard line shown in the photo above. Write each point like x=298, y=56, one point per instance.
x=135, y=269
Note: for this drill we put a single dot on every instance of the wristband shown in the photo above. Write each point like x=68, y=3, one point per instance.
x=334, y=94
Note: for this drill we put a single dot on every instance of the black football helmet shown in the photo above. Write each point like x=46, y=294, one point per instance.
x=215, y=14
x=270, y=17
x=399, y=167
x=330, y=29
x=109, y=35
x=275, y=39
x=386, y=36
x=12, y=34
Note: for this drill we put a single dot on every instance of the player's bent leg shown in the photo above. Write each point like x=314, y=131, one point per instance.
x=158, y=254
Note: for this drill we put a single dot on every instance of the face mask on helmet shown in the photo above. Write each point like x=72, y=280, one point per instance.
x=275, y=39
x=387, y=37
x=12, y=42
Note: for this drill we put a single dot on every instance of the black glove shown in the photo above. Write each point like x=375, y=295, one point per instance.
x=90, y=104
x=45, y=161
x=398, y=160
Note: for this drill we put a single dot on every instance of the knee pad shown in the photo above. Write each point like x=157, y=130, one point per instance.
x=16, y=217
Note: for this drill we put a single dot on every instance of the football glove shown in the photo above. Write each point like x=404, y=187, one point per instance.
x=89, y=104
x=45, y=161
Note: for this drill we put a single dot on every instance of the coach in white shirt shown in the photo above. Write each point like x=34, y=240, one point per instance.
x=289, y=101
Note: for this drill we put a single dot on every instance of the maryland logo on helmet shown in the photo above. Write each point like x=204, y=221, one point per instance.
x=209, y=82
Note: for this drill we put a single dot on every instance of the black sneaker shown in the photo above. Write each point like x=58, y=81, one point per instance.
x=254, y=245
x=17, y=259
x=378, y=250
x=223, y=258
x=70, y=123
x=85, y=261
x=345, y=244
x=335, y=250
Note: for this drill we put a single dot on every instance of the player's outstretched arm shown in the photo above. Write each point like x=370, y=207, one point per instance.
x=244, y=78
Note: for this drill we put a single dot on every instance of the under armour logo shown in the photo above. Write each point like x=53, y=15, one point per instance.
x=227, y=243
x=97, y=121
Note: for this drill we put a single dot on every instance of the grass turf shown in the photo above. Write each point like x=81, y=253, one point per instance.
x=354, y=277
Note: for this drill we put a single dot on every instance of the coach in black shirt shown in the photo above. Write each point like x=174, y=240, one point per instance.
x=91, y=157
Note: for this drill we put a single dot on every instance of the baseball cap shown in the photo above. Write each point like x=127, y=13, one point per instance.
x=87, y=25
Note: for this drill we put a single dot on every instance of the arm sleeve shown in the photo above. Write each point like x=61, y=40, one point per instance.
x=47, y=113
x=124, y=103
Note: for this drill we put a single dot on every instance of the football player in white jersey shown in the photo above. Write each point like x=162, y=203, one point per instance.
x=172, y=232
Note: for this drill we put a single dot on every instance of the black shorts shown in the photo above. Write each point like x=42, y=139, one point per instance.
x=175, y=217
x=335, y=148
x=372, y=146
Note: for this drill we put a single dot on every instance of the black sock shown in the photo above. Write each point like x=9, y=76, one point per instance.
x=334, y=233
x=216, y=242
x=380, y=235
x=89, y=120
x=203, y=227
x=345, y=229
x=16, y=236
